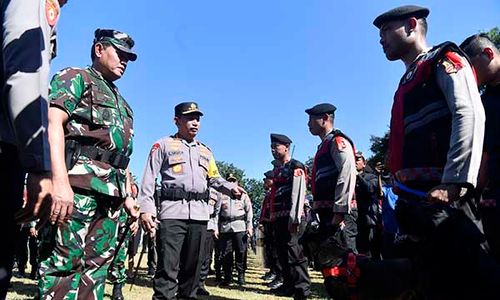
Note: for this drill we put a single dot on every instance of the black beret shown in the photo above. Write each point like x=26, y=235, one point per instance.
x=120, y=40
x=185, y=108
x=319, y=109
x=280, y=139
x=400, y=13
x=269, y=174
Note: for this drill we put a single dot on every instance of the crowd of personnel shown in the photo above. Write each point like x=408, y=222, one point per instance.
x=428, y=228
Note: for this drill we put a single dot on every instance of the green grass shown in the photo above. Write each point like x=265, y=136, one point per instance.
x=254, y=289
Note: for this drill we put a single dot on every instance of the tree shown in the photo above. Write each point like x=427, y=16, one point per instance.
x=379, y=147
x=494, y=35
x=228, y=168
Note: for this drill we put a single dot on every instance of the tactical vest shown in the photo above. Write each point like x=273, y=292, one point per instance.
x=265, y=212
x=325, y=173
x=420, y=133
x=282, y=188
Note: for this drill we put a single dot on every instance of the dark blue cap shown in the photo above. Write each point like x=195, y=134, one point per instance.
x=400, y=13
x=186, y=108
x=280, y=139
x=269, y=174
x=319, y=109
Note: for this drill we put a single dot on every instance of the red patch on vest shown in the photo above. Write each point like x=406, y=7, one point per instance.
x=452, y=63
x=340, y=141
x=154, y=148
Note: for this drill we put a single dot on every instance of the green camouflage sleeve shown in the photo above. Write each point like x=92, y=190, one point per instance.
x=66, y=89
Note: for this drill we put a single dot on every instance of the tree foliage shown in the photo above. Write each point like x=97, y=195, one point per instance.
x=379, y=146
x=494, y=35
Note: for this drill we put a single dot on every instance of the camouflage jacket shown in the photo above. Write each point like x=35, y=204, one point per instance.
x=98, y=116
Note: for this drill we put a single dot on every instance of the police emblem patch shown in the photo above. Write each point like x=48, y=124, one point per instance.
x=51, y=12
x=177, y=168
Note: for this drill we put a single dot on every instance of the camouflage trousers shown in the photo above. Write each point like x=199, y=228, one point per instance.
x=117, y=270
x=74, y=257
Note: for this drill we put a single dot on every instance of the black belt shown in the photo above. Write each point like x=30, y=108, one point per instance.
x=180, y=194
x=115, y=159
x=232, y=219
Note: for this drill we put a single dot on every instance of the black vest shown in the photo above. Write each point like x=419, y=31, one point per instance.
x=282, y=188
x=324, y=172
x=426, y=120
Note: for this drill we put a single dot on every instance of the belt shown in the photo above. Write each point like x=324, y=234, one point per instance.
x=175, y=194
x=232, y=219
x=115, y=159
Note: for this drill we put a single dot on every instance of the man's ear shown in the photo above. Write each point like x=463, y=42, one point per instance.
x=411, y=24
x=489, y=53
x=176, y=120
x=98, y=49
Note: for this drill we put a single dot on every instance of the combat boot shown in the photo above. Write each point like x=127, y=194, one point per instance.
x=241, y=278
x=117, y=292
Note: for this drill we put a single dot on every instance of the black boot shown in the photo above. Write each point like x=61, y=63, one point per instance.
x=117, y=292
x=241, y=278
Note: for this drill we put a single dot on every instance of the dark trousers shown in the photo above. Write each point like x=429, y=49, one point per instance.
x=292, y=259
x=271, y=256
x=180, y=247
x=490, y=215
x=207, y=257
x=152, y=253
x=26, y=242
x=11, y=188
x=233, y=242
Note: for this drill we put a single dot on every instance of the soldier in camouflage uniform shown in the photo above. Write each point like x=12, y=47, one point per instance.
x=117, y=274
x=187, y=169
x=27, y=30
x=90, y=133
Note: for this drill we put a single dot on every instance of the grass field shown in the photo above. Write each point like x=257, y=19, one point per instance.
x=254, y=289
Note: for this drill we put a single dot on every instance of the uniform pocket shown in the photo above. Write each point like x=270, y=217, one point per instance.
x=177, y=164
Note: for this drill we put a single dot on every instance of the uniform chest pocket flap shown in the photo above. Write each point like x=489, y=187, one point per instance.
x=104, y=110
x=204, y=162
x=177, y=163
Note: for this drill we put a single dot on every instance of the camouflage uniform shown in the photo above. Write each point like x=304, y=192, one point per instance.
x=82, y=249
x=26, y=30
x=117, y=270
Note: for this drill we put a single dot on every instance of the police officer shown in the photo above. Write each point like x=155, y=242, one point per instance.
x=270, y=255
x=90, y=134
x=212, y=228
x=485, y=58
x=26, y=28
x=187, y=169
x=333, y=182
x=436, y=138
x=287, y=207
x=234, y=219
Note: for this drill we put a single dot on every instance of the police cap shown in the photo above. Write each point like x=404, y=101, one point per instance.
x=280, y=139
x=118, y=39
x=319, y=109
x=400, y=13
x=231, y=177
x=186, y=108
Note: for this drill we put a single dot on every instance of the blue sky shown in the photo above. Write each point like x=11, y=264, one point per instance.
x=254, y=66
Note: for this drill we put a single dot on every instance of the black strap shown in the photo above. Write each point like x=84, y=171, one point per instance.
x=115, y=159
x=176, y=194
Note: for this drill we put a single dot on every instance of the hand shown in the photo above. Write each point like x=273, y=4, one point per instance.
x=447, y=192
x=134, y=227
x=238, y=191
x=216, y=234
x=132, y=208
x=39, y=189
x=149, y=224
x=62, y=203
x=33, y=232
x=250, y=232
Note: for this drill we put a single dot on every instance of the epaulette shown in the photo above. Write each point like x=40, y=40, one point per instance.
x=203, y=146
x=295, y=164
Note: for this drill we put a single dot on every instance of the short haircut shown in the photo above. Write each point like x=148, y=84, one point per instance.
x=105, y=44
x=423, y=24
x=475, y=44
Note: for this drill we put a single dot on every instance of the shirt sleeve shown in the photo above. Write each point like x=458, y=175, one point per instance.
x=66, y=90
x=216, y=181
x=153, y=165
x=343, y=157
x=249, y=211
x=462, y=96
